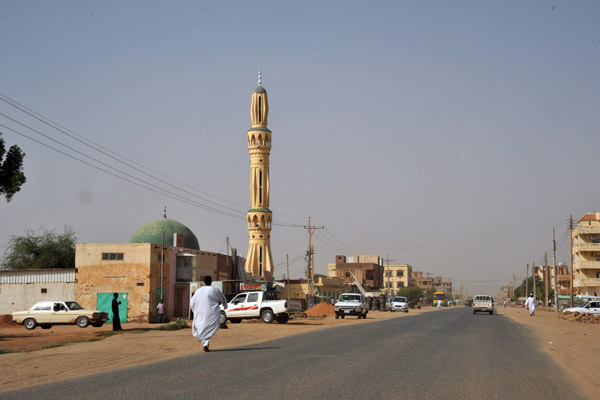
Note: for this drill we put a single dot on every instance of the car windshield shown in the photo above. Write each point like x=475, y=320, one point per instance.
x=399, y=299
x=73, y=305
x=352, y=298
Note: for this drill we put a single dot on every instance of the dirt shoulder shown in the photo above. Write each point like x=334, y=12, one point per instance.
x=574, y=346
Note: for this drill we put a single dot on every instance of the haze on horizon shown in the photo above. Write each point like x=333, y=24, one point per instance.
x=450, y=136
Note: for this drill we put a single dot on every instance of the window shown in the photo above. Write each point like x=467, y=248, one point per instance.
x=44, y=290
x=252, y=298
x=399, y=273
x=112, y=256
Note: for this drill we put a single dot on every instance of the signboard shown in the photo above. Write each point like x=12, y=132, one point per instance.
x=253, y=286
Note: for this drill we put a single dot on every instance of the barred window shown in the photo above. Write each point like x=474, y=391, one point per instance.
x=112, y=256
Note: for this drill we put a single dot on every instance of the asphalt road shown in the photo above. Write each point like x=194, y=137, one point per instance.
x=446, y=354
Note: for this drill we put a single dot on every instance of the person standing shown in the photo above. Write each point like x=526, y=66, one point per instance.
x=207, y=313
x=161, y=311
x=531, y=303
x=115, y=310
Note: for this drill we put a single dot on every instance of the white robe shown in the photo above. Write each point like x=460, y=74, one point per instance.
x=205, y=305
x=530, y=303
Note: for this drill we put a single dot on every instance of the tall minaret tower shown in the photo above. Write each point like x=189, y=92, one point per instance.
x=259, y=261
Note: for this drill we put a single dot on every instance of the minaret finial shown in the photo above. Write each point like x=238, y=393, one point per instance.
x=258, y=76
x=165, y=213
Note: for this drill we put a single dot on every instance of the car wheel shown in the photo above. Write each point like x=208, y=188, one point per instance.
x=223, y=318
x=492, y=312
x=30, y=323
x=337, y=315
x=267, y=316
x=365, y=316
x=45, y=326
x=342, y=316
x=406, y=310
x=283, y=318
x=82, y=322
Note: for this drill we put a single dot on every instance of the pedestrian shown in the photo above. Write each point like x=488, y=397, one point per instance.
x=115, y=310
x=439, y=305
x=207, y=313
x=531, y=303
x=332, y=300
x=161, y=311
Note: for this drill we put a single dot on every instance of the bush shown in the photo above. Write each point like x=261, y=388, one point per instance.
x=175, y=325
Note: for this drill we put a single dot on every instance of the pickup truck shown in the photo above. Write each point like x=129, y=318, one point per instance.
x=259, y=305
x=483, y=303
x=351, y=304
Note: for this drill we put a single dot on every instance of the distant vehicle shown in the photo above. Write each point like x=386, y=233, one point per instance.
x=591, y=307
x=483, y=303
x=437, y=296
x=351, y=304
x=48, y=313
x=399, y=304
x=469, y=303
x=262, y=305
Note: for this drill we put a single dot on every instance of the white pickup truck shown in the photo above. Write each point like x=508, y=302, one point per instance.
x=260, y=304
x=483, y=303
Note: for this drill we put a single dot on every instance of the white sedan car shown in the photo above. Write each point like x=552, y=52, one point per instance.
x=48, y=313
x=592, y=307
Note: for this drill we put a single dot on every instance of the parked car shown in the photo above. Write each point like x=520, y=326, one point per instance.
x=592, y=307
x=351, y=304
x=399, y=304
x=48, y=313
x=262, y=305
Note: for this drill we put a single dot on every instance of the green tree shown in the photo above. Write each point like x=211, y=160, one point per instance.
x=429, y=294
x=39, y=251
x=11, y=170
x=540, y=292
x=412, y=293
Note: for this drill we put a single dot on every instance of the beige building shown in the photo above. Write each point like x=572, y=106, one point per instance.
x=324, y=290
x=259, y=262
x=586, y=255
x=367, y=268
x=396, y=276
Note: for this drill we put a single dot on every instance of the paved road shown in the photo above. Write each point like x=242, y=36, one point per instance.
x=446, y=354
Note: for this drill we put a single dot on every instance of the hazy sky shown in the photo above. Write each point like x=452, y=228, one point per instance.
x=450, y=135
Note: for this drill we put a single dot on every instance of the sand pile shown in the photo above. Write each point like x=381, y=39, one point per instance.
x=5, y=321
x=321, y=310
x=580, y=317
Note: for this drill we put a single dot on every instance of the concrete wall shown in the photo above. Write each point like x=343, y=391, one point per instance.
x=20, y=297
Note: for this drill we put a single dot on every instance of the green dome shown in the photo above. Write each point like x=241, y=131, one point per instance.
x=152, y=233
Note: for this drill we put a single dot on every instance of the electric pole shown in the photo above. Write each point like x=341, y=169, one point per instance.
x=555, y=271
x=546, y=278
x=310, y=270
x=533, y=278
x=527, y=281
x=571, y=257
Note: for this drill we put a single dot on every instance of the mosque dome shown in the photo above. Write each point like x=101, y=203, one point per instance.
x=152, y=233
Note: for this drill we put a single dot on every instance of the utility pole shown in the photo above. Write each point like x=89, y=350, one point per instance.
x=387, y=257
x=527, y=281
x=533, y=278
x=513, y=286
x=571, y=257
x=555, y=271
x=546, y=278
x=310, y=270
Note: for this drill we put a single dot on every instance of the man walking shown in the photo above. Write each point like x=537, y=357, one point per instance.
x=531, y=303
x=161, y=311
x=115, y=310
x=205, y=305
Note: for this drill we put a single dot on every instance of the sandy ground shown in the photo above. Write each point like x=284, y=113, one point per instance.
x=574, y=346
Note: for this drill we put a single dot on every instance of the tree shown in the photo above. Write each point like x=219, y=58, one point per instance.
x=412, y=293
x=429, y=294
x=11, y=170
x=40, y=251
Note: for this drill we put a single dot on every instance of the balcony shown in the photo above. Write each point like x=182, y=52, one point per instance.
x=579, y=247
x=587, y=282
x=586, y=265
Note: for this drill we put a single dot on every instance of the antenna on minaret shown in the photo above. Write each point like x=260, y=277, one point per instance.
x=259, y=76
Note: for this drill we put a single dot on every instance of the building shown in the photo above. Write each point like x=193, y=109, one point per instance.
x=586, y=255
x=367, y=268
x=396, y=276
x=259, y=262
x=21, y=289
x=547, y=275
x=421, y=281
x=437, y=282
x=163, y=260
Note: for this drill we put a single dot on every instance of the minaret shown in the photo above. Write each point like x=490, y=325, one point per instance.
x=259, y=261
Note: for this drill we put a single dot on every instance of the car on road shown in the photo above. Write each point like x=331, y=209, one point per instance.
x=260, y=304
x=48, y=313
x=591, y=307
x=483, y=303
x=399, y=304
x=351, y=304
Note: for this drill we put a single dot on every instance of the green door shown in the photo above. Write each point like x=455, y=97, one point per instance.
x=105, y=304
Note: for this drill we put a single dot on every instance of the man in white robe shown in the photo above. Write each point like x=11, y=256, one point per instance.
x=205, y=305
x=531, y=303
